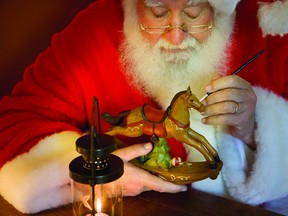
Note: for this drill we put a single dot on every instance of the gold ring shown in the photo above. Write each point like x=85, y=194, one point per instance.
x=236, y=108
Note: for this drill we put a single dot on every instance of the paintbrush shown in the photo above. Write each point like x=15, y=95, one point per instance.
x=238, y=70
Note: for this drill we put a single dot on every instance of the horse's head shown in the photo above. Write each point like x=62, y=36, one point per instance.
x=192, y=101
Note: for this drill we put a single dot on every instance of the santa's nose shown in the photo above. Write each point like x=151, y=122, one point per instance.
x=176, y=35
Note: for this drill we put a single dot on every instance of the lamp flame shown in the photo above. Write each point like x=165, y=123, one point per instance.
x=98, y=205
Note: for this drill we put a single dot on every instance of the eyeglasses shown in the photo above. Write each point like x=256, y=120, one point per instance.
x=192, y=29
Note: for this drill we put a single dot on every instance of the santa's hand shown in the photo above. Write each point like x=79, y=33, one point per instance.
x=136, y=180
x=232, y=103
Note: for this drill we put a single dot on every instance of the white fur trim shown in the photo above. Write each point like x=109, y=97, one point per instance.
x=268, y=179
x=273, y=17
x=39, y=179
x=224, y=6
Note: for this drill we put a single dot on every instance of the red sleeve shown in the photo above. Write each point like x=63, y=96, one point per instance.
x=39, y=105
x=286, y=82
x=53, y=93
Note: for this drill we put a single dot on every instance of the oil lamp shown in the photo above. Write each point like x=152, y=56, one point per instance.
x=96, y=188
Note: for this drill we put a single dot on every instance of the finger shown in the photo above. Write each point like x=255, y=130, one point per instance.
x=223, y=108
x=133, y=151
x=160, y=185
x=230, y=94
x=216, y=76
x=227, y=82
x=219, y=120
x=224, y=119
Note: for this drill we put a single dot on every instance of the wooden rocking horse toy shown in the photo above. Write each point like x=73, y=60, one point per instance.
x=173, y=122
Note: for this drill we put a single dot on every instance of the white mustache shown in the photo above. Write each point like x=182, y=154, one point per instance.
x=187, y=44
x=175, y=54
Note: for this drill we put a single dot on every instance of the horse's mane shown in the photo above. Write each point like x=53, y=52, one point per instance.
x=176, y=96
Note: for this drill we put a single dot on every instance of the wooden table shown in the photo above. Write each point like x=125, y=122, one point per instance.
x=152, y=203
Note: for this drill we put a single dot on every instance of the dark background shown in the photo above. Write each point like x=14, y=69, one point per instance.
x=26, y=27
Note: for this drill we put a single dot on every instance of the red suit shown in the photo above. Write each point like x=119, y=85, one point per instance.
x=51, y=108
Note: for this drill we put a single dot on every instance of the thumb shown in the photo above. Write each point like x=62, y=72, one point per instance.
x=133, y=151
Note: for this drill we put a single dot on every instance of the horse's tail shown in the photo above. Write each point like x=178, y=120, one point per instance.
x=117, y=120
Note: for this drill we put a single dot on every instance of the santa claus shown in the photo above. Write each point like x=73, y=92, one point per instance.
x=113, y=51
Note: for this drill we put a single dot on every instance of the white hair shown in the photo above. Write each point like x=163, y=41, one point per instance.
x=157, y=3
x=152, y=3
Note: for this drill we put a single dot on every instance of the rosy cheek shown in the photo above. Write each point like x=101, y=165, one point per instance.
x=202, y=37
x=152, y=39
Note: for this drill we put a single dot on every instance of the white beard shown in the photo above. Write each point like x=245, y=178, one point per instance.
x=161, y=75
